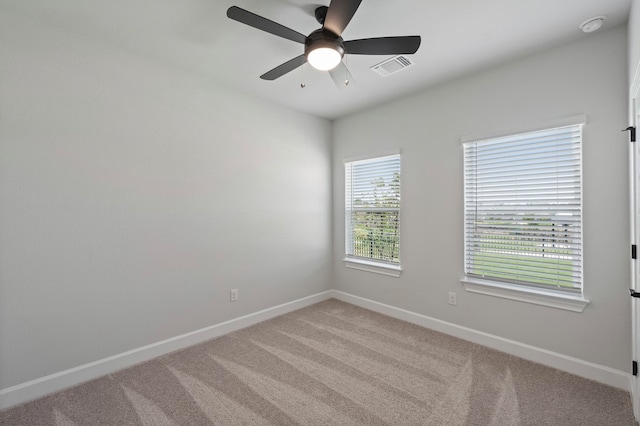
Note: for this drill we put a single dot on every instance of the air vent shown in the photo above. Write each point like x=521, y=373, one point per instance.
x=392, y=66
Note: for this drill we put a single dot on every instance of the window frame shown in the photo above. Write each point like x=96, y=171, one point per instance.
x=368, y=264
x=541, y=295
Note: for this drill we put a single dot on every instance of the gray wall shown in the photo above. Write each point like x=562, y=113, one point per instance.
x=634, y=39
x=588, y=76
x=134, y=196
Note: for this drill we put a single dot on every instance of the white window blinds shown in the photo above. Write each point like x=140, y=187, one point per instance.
x=372, y=209
x=523, y=208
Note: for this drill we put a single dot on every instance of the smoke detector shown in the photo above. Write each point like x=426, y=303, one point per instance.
x=592, y=24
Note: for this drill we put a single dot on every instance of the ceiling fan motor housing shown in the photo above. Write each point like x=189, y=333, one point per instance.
x=323, y=38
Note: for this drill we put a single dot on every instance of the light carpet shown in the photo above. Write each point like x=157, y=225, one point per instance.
x=332, y=364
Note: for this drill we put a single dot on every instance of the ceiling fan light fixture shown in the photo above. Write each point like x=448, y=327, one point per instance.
x=324, y=50
x=324, y=58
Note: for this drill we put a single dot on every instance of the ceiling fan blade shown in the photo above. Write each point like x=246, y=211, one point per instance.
x=264, y=24
x=383, y=45
x=281, y=70
x=341, y=76
x=339, y=15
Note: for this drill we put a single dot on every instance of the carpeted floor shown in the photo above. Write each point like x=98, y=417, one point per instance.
x=332, y=364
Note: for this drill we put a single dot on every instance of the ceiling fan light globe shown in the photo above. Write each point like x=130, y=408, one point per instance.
x=324, y=58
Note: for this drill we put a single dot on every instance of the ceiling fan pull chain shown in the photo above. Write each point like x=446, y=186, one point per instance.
x=346, y=72
x=302, y=85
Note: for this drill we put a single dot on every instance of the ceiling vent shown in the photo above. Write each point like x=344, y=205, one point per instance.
x=392, y=66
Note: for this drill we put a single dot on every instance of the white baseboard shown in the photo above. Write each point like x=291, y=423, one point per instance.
x=33, y=389
x=24, y=392
x=579, y=367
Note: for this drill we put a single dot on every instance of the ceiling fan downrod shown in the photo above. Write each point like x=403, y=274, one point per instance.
x=321, y=14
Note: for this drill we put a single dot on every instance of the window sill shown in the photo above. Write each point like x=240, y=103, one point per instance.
x=568, y=302
x=376, y=268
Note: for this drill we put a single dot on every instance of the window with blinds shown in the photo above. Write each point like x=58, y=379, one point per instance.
x=523, y=209
x=372, y=208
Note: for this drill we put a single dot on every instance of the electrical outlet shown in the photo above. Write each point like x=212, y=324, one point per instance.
x=234, y=294
x=452, y=298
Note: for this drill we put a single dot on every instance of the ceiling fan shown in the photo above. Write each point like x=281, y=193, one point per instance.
x=324, y=48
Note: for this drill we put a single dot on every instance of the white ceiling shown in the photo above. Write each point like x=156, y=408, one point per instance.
x=458, y=37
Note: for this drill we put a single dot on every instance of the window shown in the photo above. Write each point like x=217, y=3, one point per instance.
x=523, y=210
x=372, y=213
